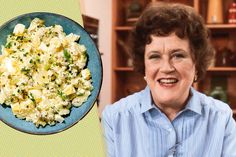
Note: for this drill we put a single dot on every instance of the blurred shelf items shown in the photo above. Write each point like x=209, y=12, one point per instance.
x=220, y=18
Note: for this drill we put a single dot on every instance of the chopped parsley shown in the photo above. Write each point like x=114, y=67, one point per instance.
x=67, y=56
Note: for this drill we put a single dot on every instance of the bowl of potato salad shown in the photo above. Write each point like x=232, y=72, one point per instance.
x=50, y=73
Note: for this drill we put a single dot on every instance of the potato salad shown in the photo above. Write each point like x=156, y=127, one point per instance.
x=43, y=73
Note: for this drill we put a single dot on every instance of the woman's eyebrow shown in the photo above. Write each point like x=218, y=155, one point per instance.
x=177, y=50
x=153, y=52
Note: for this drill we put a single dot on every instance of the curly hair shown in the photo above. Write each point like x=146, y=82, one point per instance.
x=162, y=19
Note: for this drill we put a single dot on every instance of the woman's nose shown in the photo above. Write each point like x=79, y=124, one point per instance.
x=167, y=66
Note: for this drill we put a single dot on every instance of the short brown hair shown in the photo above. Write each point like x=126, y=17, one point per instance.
x=162, y=19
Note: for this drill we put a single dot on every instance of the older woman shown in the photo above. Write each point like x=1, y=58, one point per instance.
x=169, y=118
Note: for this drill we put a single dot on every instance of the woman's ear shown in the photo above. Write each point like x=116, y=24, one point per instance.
x=195, y=77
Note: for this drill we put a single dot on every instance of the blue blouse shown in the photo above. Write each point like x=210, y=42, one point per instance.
x=134, y=127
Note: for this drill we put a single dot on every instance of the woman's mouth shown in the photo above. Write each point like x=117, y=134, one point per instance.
x=168, y=81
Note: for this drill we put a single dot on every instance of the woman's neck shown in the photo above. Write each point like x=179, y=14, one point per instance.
x=172, y=110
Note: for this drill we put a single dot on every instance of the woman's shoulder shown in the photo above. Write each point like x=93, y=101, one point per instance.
x=214, y=105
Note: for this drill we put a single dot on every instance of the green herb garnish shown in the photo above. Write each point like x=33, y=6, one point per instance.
x=67, y=56
x=62, y=95
x=31, y=97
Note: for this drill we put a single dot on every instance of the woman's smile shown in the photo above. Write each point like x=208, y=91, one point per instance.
x=168, y=82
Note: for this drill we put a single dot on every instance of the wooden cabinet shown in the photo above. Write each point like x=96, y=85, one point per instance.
x=223, y=36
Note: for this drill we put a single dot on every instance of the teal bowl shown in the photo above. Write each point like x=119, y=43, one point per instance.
x=94, y=64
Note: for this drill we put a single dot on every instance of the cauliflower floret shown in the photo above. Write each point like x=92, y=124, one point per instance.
x=72, y=37
x=58, y=29
x=86, y=74
x=64, y=111
x=10, y=65
x=23, y=109
x=82, y=48
x=3, y=96
x=55, y=44
x=59, y=118
x=35, y=23
x=19, y=29
x=43, y=47
x=78, y=101
x=81, y=61
x=69, y=89
x=6, y=51
x=36, y=94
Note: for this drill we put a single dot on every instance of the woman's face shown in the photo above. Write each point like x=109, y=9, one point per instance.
x=169, y=69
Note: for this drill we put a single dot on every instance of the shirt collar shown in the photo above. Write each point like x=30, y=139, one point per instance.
x=193, y=103
x=146, y=101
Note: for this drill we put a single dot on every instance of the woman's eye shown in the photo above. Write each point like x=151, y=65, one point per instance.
x=178, y=55
x=154, y=56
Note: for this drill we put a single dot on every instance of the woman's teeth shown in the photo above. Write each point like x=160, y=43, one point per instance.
x=168, y=81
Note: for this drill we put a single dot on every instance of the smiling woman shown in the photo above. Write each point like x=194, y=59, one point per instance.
x=171, y=48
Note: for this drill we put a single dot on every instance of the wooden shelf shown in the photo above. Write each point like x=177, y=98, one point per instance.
x=123, y=28
x=92, y=25
x=221, y=26
x=90, y=22
x=135, y=19
x=222, y=69
x=124, y=69
x=210, y=26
